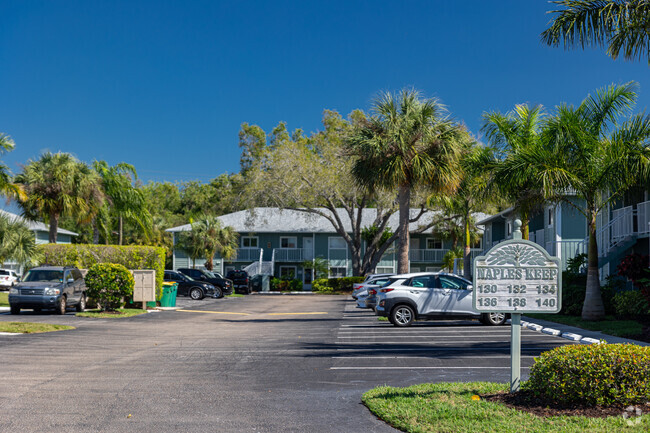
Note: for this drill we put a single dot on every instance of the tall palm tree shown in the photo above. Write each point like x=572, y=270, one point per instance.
x=511, y=133
x=588, y=149
x=127, y=201
x=471, y=196
x=7, y=187
x=207, y=238
x=619, y=25
x=57, y=184
x=408, y=142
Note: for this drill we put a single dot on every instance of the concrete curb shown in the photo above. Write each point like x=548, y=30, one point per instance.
x=11, y=333
x=572, y=333
x=551, y=331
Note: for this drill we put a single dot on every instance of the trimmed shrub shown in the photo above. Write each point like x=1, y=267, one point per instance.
x=590, y=375
x=85, y=256
x=631, y=303
x=284, y=285
x=109, y=284
x=331, y=285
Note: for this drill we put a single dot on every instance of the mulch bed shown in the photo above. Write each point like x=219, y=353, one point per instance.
x=528, y=403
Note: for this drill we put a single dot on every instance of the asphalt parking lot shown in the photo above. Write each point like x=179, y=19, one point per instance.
x=253, y=364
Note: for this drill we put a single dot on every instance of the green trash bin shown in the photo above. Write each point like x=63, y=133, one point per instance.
x=169, y=292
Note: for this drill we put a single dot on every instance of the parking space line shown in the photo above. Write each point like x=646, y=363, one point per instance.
x=427, y=357
x=214, y=312
x=296, y=314
x=366, y=337
x=454, y=349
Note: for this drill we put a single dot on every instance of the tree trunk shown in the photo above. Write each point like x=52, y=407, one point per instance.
x=404, y=200
x=121, y=227
x=525, y=221
x=95, y=231
x=593, y=308
x=54, y=227
x=467, y=258
x=208, y=261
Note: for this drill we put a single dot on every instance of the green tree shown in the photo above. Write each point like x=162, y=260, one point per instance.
x=17, y=242
x=126, y=201
x=512, y=133
x=208, y=237
x=589, y=150
x=621, y=26
x=59, y=185
x=313, y=175
x=7, y=187
x=408, y=142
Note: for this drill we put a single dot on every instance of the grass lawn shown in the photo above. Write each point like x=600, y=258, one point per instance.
x=234, y=295
x=611, y=326
x=4, y=299
x=382, y=319
x=448, y=407
x=31, y=328
x=118, y=314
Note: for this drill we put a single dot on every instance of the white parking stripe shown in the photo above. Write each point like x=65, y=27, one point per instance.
x=423, y=368
x=427, y=357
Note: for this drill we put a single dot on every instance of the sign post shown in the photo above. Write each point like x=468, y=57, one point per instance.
x=517, y=277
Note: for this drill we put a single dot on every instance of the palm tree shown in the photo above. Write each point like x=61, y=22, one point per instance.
x=511, y=133
x=7, y=187
x=127, y=201
x=471, y=196
x=619, y=25
x=585, y=149
x=407, y=143
x=59, y=185
x=208, y=237
x=17, y=242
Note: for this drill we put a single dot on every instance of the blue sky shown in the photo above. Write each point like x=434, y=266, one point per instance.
x=165, y=85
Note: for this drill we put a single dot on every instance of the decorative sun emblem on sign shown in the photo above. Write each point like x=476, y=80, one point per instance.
x=516, y=255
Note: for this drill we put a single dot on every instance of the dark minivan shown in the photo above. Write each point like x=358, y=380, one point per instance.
x=240, y=280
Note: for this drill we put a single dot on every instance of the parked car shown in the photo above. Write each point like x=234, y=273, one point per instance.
x=430, y=295
x=49, y=287
x=240, y=281
x=188, y=287
x=8, y=278
x=370, y=279
x=368, y=298
x=222, y=285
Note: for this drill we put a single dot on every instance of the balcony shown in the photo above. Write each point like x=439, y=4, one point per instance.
x=247, y=255
x=295, y=255
x=436, y=256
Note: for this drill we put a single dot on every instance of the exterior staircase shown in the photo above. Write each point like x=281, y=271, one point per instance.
x=261, y=267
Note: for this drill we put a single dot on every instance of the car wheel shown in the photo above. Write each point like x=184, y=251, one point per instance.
x=61, y=306
x=196, y=294
x=15, y=310
x=218, y=293
x=402, y=315
x=493, y=319
x=82, y=303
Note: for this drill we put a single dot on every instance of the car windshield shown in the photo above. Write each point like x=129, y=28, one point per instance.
x=43, y=275
x=185, y=277
x=389, y=282
x=3, y=272
x=210, y=274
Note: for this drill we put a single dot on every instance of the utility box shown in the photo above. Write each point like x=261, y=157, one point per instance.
x=144, y=289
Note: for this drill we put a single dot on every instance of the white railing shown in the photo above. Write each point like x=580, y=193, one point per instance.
x=247, y=254
x=290, y=254
x=623, y=224
x=427, y=256
x=643, y=217
x=566, y=250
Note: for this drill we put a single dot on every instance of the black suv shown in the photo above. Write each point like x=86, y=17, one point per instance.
x=188, y=287
x=49, y=287
x=220, y=283
x=240, y=281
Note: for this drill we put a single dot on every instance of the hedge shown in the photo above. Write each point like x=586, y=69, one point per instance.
x=597, y=374
x=109, y=284
x=84, y=256
x=331, y=285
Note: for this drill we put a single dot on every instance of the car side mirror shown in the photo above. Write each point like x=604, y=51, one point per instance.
x=470, y=287
x=70, y=280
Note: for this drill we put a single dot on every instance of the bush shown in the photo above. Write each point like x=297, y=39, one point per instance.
x=283, y=285
x=631, y=303
x=109, y=284
x=331, y=285
x=590, y=375
x=84, y=256
x=573, y=293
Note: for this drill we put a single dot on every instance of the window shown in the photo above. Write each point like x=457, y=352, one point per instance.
x=509, y=228
x=419, y=281
x=433, y=269
x=384, y=270
x=288, y=242
x=288, y=272
x=415, y=269
x=336, y=243
x=338, y=272
x=249, y=241
x=452, y=283
x=434, y=244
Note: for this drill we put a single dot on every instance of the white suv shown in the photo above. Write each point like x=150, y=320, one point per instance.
x=408, y=297
x=8, y=278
